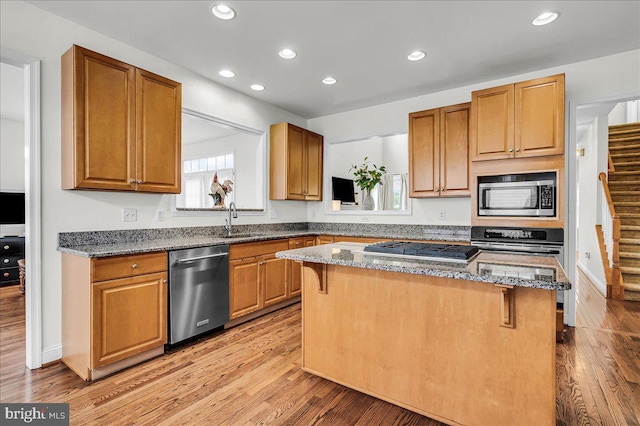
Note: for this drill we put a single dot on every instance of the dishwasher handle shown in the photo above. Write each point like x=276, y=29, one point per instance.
x=191, y=259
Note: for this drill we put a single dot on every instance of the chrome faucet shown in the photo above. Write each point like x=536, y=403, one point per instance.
x=227, y=227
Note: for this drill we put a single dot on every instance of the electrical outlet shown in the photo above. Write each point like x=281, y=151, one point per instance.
x=442, y=215
x=159, y=214
x=587, y=255
x=273, y=214
x=129, y=215
x=366, y=219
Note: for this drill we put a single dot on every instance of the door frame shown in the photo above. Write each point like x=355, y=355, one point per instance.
x=571, y=166
x=33, y=209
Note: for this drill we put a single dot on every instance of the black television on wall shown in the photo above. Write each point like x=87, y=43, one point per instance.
x=12, y=210
x=343, y=190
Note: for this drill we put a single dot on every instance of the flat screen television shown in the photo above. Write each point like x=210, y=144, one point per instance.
x=12, y=211
x=343, y=190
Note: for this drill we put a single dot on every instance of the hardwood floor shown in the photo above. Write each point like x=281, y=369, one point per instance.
x=250, y=375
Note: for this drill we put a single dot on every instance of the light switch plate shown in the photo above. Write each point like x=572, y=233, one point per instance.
x=443, y=215
x=129, y=215
x=159, y=214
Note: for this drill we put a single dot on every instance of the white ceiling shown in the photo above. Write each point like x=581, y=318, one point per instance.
x=11, y=92
x=363, y=44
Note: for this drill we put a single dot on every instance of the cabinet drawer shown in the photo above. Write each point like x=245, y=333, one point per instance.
x=9, y=275
x=10, y=261
x=11, y=245
x=108, y=268
x=259, y=248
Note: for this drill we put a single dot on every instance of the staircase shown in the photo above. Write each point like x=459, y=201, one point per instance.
x=624, y=185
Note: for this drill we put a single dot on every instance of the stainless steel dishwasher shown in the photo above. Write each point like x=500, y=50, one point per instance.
x=198, y=291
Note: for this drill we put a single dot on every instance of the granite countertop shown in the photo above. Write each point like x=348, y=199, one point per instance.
x=488, y=267
x=177, y=242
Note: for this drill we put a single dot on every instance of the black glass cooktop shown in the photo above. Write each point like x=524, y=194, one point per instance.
x=407, y=248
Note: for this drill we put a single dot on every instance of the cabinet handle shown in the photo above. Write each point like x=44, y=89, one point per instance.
x=437, y=189
x=164, y=281
x=5, y=260
x=444, y=189
x=297, y=243
x=134, y=266
x=7, y=247
x=139, y=181
x=132, y=181
x=510, y=149
x=6, y=274
x=517, y=149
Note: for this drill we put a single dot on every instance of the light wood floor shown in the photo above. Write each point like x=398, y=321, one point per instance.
x=250, y=375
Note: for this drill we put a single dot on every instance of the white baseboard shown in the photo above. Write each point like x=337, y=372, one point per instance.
x=52, y=353
x=602, y=287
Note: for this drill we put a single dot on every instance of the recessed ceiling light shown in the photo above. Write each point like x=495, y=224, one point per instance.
x=329, y=80
x=257, y=87
x=227, y=73
x=545, y=18
x=416, y=56
x=287, y=53
x=223, y=11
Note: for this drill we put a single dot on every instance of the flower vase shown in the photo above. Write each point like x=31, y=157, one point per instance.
x=367, y=201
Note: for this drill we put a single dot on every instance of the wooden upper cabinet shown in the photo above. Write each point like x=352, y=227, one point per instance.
x=295, y=163
x=121, y=126
x=424, y=147
x=158, y=133
x=439, y=152
x=539, y=112
x=313, y=163
x=525, y=119
x=492, y=123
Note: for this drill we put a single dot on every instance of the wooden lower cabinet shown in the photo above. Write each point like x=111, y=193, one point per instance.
x=257, y=279
x=114, y=311
x=129, y=317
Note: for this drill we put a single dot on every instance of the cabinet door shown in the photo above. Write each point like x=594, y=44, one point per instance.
x=539, y=115
x=424, y=151
x=129, y=317
x=274, y=278
x=295, y=163
x=158, y=133
x=324, y=239
x=244, y=287
x=492, y=123
x=454, y=150
x=98, y=116
x=313, y=160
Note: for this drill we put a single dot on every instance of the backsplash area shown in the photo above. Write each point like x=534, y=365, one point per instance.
x=457, y=233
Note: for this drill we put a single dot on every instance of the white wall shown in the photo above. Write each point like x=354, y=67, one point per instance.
x=589, y=80
x=588, y=215
x=11, y=155
x=32, y=31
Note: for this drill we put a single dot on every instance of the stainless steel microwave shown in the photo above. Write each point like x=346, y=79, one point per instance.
x=521, y=195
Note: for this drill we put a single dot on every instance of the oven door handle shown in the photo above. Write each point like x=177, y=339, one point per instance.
x=520, y=249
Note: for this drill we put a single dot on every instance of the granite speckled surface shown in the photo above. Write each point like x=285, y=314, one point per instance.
x=517, y=270
x=123, y=242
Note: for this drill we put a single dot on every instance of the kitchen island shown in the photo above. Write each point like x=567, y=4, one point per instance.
x=469, y=344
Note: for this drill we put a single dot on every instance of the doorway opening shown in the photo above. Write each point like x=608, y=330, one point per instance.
x=30, y=71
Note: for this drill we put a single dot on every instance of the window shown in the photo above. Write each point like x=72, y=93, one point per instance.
x=198, y=175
